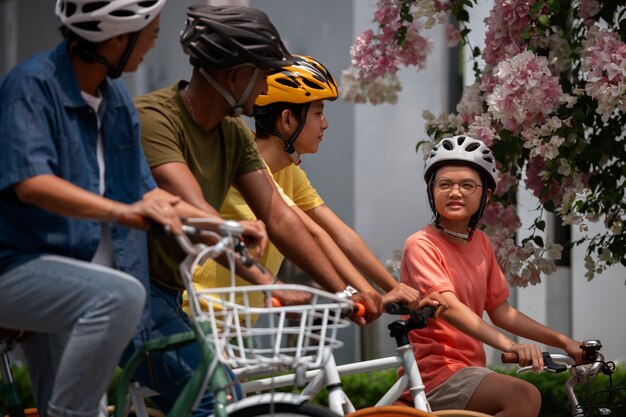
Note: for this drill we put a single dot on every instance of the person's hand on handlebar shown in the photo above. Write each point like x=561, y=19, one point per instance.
x=290, y=297
x=528, y=355
x=409, y=298
x=373, y=303
x=573, y=348
x=255, y=237
x=158, y=209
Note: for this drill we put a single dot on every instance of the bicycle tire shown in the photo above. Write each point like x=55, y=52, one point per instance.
x=389, y=411
x=283, y=410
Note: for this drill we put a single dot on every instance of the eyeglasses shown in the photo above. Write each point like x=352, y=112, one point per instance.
x=466, y=187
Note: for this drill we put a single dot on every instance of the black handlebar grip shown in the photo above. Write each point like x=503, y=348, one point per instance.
x=241, y=249
x=396, y=308
x=420, y=317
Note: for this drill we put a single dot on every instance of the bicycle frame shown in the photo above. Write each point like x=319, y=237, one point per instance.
x=208, y=374
x=214, y=341
x=330, y=377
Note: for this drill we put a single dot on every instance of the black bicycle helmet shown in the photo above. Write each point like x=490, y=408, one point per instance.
x=223, y=37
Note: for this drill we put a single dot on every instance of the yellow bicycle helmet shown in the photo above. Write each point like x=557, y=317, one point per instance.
x=303, y=82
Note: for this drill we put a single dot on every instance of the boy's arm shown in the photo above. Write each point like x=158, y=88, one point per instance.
x=362, y=257
x=353, y=246
x=287, y=231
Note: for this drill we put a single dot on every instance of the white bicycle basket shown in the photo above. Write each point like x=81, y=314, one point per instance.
x=256, y=339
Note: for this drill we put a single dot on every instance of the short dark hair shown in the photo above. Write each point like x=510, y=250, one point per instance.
x=265, y=117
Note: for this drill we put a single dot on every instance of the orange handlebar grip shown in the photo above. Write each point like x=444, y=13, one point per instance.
x=358, y=310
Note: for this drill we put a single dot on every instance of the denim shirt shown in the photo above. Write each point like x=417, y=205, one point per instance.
x=46, y=127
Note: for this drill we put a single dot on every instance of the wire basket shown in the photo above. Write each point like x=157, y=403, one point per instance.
x=255, y=339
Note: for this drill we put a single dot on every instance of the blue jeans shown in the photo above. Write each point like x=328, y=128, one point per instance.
x=79, y=318
x=168, y=372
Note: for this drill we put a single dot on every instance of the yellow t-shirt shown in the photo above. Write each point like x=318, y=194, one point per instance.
x=296, y=189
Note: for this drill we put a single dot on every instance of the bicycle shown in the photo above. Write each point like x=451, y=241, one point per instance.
x=226, y=334
x=330, y=377
x=582, y=374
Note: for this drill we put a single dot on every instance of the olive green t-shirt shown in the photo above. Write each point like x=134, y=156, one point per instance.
x=216, y=158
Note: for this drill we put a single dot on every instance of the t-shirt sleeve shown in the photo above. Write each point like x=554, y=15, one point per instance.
x=304, y=194
x=423, y=267
x=159, y=136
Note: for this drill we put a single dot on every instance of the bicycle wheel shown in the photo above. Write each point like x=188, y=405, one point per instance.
x=283, y=410
x=389, y=411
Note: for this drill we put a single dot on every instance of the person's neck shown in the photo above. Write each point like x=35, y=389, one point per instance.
x=273, y=153
x=89, y=75
x=456, y=231
x=204, y=104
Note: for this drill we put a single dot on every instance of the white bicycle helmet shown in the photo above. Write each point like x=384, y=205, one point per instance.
x=99, y=20
x=465, y=150
x=468, y=151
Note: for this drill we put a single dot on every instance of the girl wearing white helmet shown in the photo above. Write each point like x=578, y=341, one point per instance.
x=72, y=175
x=452, y=257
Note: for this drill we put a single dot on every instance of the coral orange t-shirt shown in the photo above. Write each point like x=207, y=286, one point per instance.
x=432, y=263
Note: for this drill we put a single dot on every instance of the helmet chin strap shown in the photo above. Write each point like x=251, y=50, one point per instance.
x=465, y=236
x=236, y=107
x=114, y=71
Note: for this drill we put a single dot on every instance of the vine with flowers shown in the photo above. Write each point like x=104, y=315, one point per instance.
x=549, y=100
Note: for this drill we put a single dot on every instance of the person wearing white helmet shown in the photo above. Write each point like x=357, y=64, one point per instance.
x=454, y=258
x=73, y=178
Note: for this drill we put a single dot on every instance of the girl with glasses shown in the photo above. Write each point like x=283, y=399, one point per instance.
x=452, y=257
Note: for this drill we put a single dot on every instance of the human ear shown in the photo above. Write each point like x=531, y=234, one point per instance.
x=286, y=120
x=488, y=195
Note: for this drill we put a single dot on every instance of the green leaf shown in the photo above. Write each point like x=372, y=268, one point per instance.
x=526, y=33
x=544, y=20
x=541, y=225
x=554, y=6
x=536, y=8
x=538, y=241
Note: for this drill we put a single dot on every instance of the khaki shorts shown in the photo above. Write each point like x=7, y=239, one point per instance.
x=455, y=393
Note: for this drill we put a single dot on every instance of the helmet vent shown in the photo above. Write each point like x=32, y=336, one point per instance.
x=472, y=147
x=92, y=26
x=70, y=8
x=288, y=82
x=147, y=4
x=122, y=13
x=460, y=140
x=447, y=145
x=311, y=85
x=90, y=7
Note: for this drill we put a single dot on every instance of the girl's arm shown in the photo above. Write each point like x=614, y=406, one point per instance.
x=464, y=319
x=512, y=320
